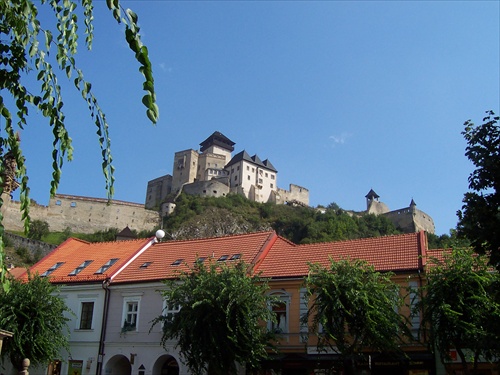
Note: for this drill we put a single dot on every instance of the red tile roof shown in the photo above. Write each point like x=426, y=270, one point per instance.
x=73, y=252
x=389, y=253
x=156, y=263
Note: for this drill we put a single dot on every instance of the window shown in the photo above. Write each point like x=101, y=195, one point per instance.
x=272, y=177
x=177, y=262
x=58, y=202
x=52, y=269
x=106, y=265
x=79, y=269
x=87, y=312
x=280, y=309
x=222, y=258
x=236, y=178
x=130, y=314
x=260, y=180
x=248, y=177
x=73, y=204
x=169, y=311
x=235, y=257
x=272, y=186
x=248, y=167
x=266, y=174
x=145, y=265
x=415, y=315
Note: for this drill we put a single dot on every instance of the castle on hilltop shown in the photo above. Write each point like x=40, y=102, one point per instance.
x=409, y=219
x=213, y=172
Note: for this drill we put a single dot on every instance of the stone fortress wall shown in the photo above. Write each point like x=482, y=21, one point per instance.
x=82, y=214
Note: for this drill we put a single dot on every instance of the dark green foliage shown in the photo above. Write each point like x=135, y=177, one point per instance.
x=220, y=320
x=356, y=308
x=38, y=229
x=47, y=49
x=298, y=224
x=479, y=219
x=36, y=316
x=446, y=241
x=100, y=236
x=461, y=306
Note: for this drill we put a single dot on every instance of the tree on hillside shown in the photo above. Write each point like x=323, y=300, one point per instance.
x=36, y=316
x=467, y=319
x=46, y=51
x=353, y=307
x=38, y=229
x=479, y=219
x=220, y=309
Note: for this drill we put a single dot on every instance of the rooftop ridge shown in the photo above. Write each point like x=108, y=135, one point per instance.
x=365, y=239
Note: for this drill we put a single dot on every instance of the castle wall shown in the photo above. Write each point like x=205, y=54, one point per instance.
x=82, y=214
x=212, y=188
x=296, y=193
x=411, y=219
x=377, y=208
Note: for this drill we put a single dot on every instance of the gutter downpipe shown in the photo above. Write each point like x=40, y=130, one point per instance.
x=100, y=358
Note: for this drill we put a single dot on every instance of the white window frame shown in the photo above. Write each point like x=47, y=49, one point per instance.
x=125, y=313
x=284, y=328
x=168, y=309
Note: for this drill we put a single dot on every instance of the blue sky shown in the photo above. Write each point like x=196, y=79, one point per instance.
x=342, y=97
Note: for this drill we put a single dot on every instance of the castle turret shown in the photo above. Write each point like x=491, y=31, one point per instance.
x=370, y=197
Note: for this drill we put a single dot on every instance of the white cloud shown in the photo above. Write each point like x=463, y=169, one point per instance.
x=340, y=139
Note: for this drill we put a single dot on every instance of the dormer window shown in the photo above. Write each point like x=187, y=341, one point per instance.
x=145, y=265
x=52, y=269
x=223, y=258
x=79, y=269
x=235, y=257
x=106, y=265
x=177, y=262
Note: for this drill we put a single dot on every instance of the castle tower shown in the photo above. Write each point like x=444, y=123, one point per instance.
x=370, y=197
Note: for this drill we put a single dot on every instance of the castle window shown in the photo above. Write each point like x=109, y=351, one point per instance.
x=215, y=191
x=272, y=186
x=58, y=202
x=236, y=178
x=266, y=174
x=272, y=177
x=253, y=169
x=73, y=204
x=248, y=168
x=238, y=168
x=260, y=180
x=248, y=177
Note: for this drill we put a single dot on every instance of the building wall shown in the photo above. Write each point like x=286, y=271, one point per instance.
x=157, y=190
x=82, y=214
x=184, y=168
x=209, y=166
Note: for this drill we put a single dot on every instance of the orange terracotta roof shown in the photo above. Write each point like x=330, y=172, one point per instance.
x=389, y=253
x=158, y=262
x=74, y=252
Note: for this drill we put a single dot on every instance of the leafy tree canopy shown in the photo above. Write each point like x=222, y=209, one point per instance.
x=36, y=316
x=38, y=229
x=355, y=306
x=30, y=49
x=219, y=323
x=467, y=319
x=479, y=219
